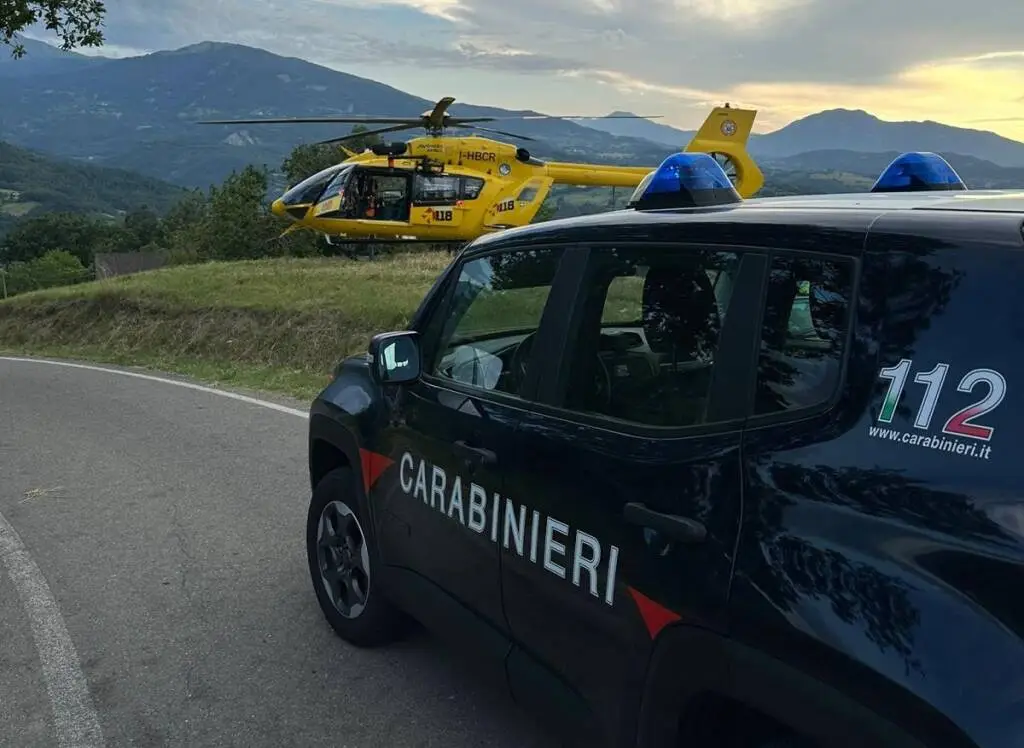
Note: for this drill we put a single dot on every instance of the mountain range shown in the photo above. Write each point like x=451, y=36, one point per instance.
x=842, y=129
x=140, y=113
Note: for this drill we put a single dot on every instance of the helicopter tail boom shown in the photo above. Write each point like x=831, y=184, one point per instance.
x=591, y=175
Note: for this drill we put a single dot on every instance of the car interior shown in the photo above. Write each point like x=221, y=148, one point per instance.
x=645, y=351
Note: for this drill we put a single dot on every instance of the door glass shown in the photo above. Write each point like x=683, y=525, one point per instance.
x=806, y=316
x=436, y=190
x=491, y=320
x=646, y=350
x=381, y=197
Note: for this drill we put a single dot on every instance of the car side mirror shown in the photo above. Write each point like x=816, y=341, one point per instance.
x=395, y=357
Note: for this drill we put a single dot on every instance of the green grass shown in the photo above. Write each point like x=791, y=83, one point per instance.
x=272, y=325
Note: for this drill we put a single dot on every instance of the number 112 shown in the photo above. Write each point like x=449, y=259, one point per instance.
x=961, y=423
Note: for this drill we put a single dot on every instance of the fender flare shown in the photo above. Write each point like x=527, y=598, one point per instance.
x=715, y=664
x=813, y=708
x=323, y=428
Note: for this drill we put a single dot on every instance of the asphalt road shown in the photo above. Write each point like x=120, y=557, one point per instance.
x=154, y=588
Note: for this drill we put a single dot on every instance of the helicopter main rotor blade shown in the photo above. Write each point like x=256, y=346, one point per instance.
x=576, y=116
x=355, y=135
x=500, y=132
x=410, y=121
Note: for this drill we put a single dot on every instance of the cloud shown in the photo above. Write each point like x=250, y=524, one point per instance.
x=926, y=59
x=962, y=92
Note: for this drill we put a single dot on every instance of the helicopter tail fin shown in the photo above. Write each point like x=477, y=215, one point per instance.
x=724, y=135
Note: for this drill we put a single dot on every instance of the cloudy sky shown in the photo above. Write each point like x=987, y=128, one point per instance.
x=945, y=60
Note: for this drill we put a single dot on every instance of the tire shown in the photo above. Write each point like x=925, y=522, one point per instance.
x=343, y=569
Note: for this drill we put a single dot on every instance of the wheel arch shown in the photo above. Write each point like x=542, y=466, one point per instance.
x=331, y=446
x=691, y=668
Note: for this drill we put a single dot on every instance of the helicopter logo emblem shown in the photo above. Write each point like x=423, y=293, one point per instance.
x=728, y=128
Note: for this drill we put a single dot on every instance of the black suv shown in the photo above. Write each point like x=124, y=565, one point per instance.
x=718, y=475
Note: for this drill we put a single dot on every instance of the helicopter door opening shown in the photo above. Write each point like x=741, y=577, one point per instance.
x=373, y=195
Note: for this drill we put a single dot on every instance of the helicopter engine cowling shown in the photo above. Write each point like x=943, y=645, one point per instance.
x=389, y=149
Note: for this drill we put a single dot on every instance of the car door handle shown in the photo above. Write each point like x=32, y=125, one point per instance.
x=475, y=455
x=683, y=529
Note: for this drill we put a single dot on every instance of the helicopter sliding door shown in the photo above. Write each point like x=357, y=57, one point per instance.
x=367, y=194
x=439, y=199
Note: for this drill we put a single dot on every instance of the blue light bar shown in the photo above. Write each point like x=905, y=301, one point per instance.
x=684, y=180
x=919, y=171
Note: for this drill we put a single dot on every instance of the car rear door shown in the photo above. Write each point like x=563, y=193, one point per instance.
x=627, y=479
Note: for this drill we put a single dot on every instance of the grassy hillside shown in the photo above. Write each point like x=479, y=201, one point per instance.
x=31, y=183
x=275, y=325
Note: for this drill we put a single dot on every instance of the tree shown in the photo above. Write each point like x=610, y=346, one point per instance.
x=54, y=268
x=34, y=237
x=545, y=212
x=76, y=22
x=143, y=224
x=237, y=224
x=309, y=158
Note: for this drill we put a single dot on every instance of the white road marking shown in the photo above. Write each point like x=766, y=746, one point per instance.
x=151, y=378
x=75, y=721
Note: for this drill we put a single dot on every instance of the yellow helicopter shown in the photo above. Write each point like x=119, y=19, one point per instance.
x=442, y=188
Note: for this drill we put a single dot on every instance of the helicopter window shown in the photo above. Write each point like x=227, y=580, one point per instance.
x=338, y=182
x=527, y=194
x=435, y=189
x=471, y=187
x=383, y=197
x=310, y=189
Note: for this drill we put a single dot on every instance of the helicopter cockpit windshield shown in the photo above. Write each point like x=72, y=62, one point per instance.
x=310, y=189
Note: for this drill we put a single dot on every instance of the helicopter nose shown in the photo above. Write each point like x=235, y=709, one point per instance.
x=290, y=213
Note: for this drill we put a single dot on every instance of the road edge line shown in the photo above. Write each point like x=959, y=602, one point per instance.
x=164, y=380
x=75, y=720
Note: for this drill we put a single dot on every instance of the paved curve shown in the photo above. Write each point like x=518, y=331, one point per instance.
x=168, y=524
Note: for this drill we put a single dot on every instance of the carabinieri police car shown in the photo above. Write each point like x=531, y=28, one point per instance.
x=705, y=472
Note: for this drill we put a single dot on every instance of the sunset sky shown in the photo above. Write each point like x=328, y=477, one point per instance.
x=944, y=60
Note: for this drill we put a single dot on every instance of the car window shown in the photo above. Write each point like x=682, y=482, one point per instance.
x=488, y=325
x=645, y=352
x=803, y=333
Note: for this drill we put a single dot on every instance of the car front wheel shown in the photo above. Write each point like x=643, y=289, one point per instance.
x=342, y=565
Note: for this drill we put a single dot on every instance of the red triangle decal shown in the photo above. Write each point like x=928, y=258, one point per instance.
x=373, y=466
x=656, y=616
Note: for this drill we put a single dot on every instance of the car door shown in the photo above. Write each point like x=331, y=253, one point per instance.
x=630, y=475
x=447, y=436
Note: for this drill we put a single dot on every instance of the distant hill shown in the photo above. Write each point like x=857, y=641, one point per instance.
x=31, y=183
x=847, y=130
x=976, y=173
x=140, y=113
x=648, y=129
x=856, y=130
x=42, y=59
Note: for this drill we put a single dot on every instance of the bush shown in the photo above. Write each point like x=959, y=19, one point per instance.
x=54, y=268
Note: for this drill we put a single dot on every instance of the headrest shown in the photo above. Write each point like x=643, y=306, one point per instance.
x=829, y=309
x=781, y=294
x=679, y=311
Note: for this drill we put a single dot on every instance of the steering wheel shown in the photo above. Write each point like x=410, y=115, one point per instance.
x=601, y=392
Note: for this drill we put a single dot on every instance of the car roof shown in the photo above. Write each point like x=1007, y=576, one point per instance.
x=796, y=209
x=1001, y=201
